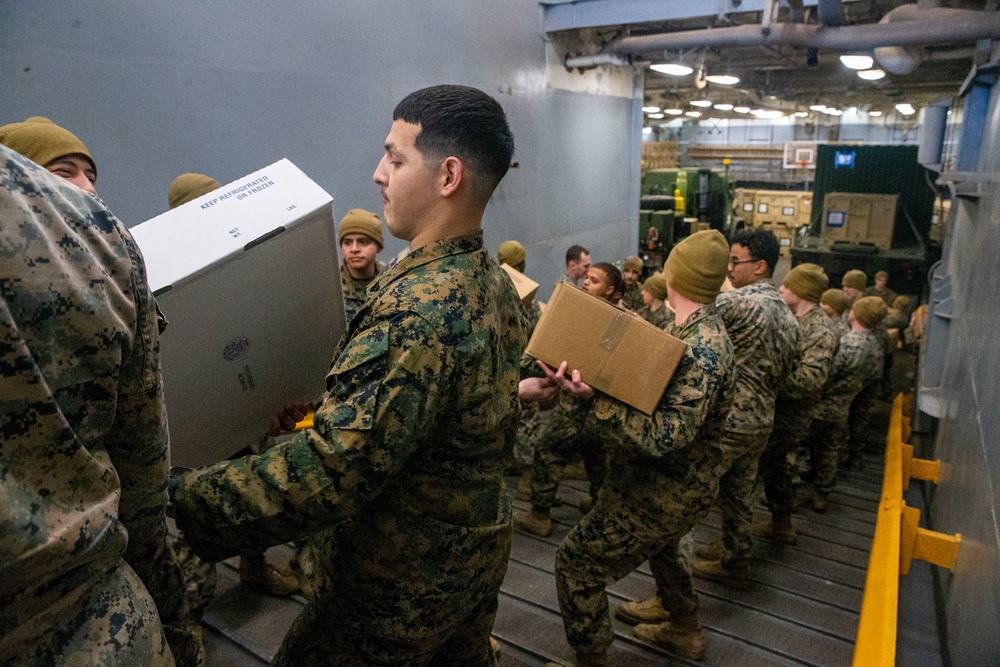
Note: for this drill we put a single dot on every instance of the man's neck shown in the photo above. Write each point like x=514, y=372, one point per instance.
x=803, y=307
x=856, y=326
x=655, y=305
x=447, y=224
x=367, y=274
x=683, y=309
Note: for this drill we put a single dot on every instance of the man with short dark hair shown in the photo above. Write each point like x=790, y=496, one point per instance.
x=577, y=263
x=405, y=463
x=564, y=435
x=765, y=339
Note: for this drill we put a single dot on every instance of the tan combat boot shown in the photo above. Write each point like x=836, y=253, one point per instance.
x=737, y=577
x=818, y=502
x=687, y=642
x=523, y=491
x=778, y=529
x=710, y=550
x=256, y=571
x=586, y=505
x=535, y=522
x=649, y=610
x=575, y=470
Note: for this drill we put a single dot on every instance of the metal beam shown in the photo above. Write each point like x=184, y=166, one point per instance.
x=573, y=14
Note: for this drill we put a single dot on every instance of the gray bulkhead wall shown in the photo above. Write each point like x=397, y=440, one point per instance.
x=967, y=499
x=161, y=88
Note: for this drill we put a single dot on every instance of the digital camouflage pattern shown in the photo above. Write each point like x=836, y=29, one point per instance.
x=765, y=341
x=405, y=462
x=534, y=416
x=857, y=363
x=886, y=295
x=794, y=408
x=356, y=291
x=83, y=439
x=563, y=438
x=662, y=317
x=632, y=299
x=661, y=481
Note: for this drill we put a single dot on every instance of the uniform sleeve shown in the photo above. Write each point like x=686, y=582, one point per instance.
x=812, y=369
x=386, y=388
x=676, y=421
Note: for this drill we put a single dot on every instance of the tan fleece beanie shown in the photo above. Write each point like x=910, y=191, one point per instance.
x=697, y=266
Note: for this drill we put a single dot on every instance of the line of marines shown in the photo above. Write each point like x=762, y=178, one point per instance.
x=402, y=472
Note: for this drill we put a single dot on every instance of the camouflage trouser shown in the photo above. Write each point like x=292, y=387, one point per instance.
x=741, y=455
x=200, y=577
x=826, y=440
x=609, y=543
x=314, y=640
x=534, y=419
x=791, y=424
x=860, y=420
x=563, y=437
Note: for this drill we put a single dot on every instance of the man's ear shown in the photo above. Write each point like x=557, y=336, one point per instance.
x=451, y=172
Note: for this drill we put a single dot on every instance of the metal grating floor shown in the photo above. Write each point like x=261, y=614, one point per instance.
x=802, y=609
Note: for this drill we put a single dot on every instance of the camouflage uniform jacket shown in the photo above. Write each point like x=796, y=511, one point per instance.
x=671, y=455
x=886, y=295
x=566, y=279
x=817, y=345
x=407, y=457
x=356, y=291
x=662, y=317
x=633, y=297
x=83, y=439
x=765, y=339
x=841, y=326
x=857, y=363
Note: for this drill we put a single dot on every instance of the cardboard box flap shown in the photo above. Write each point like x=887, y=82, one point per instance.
x=525, y=286
x=615, y=351
x=179, y=243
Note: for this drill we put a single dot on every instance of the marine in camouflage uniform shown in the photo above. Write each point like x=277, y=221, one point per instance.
x=857, y=362
x=84, y=440
x=765, y=341
x=632, y=298
x=654, y=294
x=661, y=317
x=662, y=477
x=356, y=291
x=793, y=410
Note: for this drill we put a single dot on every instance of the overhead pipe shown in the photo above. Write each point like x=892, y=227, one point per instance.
x=932, y=26
x=599, y=59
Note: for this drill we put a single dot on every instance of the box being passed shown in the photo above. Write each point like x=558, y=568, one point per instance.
x=248, y=279
x=615, y=351
x=525, y=286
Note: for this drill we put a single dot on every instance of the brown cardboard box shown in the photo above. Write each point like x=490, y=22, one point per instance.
x=859, y=218
x=525, y=286
x=615, y=351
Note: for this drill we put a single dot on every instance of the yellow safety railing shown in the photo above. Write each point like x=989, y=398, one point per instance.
x=898, y=540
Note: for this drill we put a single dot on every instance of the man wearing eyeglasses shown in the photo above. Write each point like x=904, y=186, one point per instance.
x=765, y=342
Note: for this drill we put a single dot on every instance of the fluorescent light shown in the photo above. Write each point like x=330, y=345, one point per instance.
x=647, y=130
x=766, y=113
x=834, y=112
x=701, y=103
x=724, y=107
x=906, y=109
x=651, y=109
x=674, y=112
x=657, y=116
x=818, y=107
x=742, y=109
x=693, y=114
x=673, y=69
x=857, y=62
x=871, y=74
x=801, y=114
x=874, y=113
x=722, y=79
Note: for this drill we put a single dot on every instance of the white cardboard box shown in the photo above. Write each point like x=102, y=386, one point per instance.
x=249, y=281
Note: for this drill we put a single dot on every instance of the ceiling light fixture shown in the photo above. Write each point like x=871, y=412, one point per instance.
x=674, y=112
x=834, y=112
x=724, y=107
x=741, y=109
x=673, y=69
x=857, y=61
x=872, y=74
x=657, y=116
x=875, y=113
x=766, y=113
x=701, y=103
x=693, y=114
x=651, y=109
x=906, y=109
x=647, y=130
x=801, y=114
x=818, y=107
x=723, y=79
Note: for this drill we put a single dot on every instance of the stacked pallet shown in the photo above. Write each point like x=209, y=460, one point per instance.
x=660, y=154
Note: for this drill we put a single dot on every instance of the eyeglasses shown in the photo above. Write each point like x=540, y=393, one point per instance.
x=734, y=262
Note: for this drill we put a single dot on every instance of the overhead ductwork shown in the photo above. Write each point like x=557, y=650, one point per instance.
x=901, y=59
x=904, y=26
